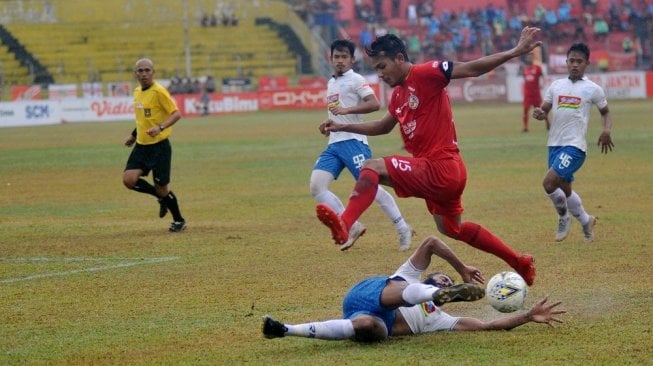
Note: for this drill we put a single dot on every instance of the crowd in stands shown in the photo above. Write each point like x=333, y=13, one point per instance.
x=435, y=32
x=224, y=15
x=179, y=85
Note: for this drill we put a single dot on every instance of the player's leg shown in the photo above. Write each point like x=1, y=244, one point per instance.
x=563, y=163
x=526, y=109
x=161, y=173
x=361, y=198
x=137, y=166
x=353, y=155
x=320, y=180
x=575, y=205
x=400, y=293
x=365, y=190
x=336, y=329
x=481, y=238
x=389, y=206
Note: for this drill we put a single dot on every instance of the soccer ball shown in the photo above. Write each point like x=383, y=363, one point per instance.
x=506, y=292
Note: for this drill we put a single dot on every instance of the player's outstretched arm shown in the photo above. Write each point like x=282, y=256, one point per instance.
x=539, y=313
x=527, y=42
x=372, y=128
x=421, y=259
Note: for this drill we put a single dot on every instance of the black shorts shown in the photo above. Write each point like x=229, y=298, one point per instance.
x=156, y=158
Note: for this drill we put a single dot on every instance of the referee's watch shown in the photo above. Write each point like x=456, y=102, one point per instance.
x=161, y=128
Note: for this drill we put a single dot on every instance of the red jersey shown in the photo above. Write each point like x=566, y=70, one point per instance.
x=421, y=105
x=532, y=75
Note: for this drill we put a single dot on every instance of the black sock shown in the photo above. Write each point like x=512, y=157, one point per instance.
x=173, y=206
x=144, y=187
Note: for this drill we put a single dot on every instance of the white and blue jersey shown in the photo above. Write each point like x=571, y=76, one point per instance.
x=571, y=103
x=345, y=149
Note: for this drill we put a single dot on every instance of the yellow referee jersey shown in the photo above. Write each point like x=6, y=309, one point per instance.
x=152, y=107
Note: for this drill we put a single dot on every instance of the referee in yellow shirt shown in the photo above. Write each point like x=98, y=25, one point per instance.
x=156, y=112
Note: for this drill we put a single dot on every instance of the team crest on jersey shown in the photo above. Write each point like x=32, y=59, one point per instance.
x=413, y=101
x=333, y=100
x=409, y=129
x=428, y=308
x=148, y=112
x=566, y=101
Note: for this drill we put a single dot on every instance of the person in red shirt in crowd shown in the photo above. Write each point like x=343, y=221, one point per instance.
x=532, y=96
x=436, y=171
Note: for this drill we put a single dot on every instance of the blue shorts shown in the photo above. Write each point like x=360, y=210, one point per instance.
x=365, y=298
x=349, y=153
x=566, y=160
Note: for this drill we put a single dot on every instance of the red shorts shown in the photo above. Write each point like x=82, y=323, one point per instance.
x=440, y=182
x=532, y=100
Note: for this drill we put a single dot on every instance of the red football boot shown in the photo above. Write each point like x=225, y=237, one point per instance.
x=330, y=218
x=526, y=268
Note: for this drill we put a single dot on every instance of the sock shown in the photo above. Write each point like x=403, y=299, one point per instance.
x=173, y=206
x=559, y=201
x=481, y=238
x=575, y=205
x=331, y=200
x=329, y=330
x=389, y=206
x=417, y=293
x=144, y=187
x=362, y=196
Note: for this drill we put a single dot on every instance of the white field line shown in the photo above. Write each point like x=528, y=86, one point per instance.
x=133, y=262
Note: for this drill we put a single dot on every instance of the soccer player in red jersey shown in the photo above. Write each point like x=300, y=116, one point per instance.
x=436, y=172
x=532, y=96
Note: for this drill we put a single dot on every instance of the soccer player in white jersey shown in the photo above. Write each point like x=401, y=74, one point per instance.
x=570, y=100
x=383, y=306
x=348, y=96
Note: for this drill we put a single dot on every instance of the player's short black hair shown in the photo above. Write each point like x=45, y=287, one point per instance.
x=343, y=44
x=430, y=279
x=580, y=47
x=387, y=45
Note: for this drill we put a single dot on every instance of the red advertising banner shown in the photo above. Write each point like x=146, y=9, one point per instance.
x=285, y=99
x=649, y=84
x=26, y=92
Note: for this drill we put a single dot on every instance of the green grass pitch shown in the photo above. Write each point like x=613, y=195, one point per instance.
x=90, y=275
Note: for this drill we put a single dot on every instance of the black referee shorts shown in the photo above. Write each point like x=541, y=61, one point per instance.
x=156, y=158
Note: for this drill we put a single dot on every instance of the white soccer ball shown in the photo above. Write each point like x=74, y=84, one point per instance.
x=506, y=292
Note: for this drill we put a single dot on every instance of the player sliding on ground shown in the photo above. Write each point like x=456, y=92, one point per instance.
x=380, y=307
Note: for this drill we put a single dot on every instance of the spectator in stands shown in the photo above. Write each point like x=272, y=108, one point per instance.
x=209, y=84
x=155, y=112
x=365, y=37
x=627, y=44
x=411, y=11
x=601, y=29
x=394, y=12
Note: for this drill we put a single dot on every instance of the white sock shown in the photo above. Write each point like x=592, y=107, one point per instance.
x=389, y=206
x=559, y=201
x=417, y=293
x=576, y=208
x=330, y=329
x=331, y=200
